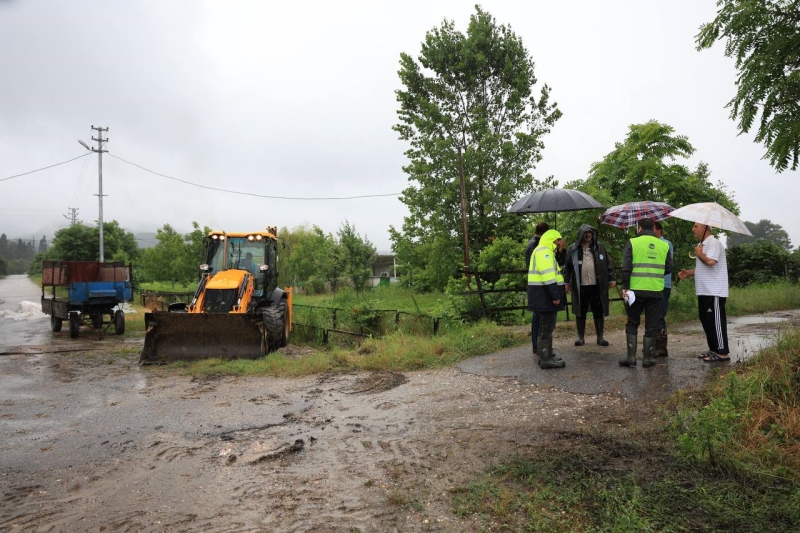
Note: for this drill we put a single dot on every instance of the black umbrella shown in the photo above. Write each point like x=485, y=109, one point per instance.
x=555, y=201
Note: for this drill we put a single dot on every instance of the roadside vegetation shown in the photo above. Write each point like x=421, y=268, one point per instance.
x=726, y=458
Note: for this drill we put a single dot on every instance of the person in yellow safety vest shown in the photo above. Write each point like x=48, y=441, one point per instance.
x=645, y=262
x=546, y=294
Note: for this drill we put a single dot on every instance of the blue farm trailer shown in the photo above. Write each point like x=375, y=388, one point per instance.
x=86, y=292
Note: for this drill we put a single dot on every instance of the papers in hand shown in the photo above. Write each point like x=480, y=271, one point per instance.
x=630, y=297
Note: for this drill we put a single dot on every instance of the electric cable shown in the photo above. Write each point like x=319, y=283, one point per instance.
x=252, y=194
x=43, y=168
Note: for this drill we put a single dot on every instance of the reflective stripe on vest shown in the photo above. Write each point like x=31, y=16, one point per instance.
x=547, y=271
x=649, y=258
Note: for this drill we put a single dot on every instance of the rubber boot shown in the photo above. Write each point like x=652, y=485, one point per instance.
x=546, y=359
x=580, y=322
x=649, y=344
x=630, y=360
x=661, y=344
x=598, y=328
x=555, y=356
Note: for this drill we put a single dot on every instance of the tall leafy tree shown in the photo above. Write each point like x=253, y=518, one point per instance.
x=176, y=257
x=357, y=254
x=471, y=92
x=80, y=242
x=762, y=230
x=763, y=36
x=312, y=258
x=645, y=166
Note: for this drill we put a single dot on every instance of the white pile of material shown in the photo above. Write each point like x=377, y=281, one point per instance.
x=26, y=311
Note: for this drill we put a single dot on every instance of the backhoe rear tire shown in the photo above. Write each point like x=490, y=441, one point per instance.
x=286, y=324
x=274, y=325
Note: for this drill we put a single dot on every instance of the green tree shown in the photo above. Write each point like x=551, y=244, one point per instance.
x=763, y=230
x=4, y=268
x=176, y=257
x=79, y=242
x=312, y=258
x=471, y=92
x=761, y=261
x=357, y=255
x=645, y=167
x=763, y=36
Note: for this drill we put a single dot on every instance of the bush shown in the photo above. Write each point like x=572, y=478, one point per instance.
x=761, y=262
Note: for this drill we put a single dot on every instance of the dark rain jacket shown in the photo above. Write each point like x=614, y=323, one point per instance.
x=603, y=269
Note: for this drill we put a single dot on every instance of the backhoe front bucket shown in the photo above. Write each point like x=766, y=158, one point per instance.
x=190, y=336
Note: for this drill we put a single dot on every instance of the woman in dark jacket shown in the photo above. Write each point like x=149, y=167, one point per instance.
x=588, y=273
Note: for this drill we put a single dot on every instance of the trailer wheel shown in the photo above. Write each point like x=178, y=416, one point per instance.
x=97, y=320
x=286, y=324
x=74, y=325
x=55, y=323
x=119, y=322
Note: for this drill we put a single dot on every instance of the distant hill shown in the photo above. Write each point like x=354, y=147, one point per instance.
x=145, y=239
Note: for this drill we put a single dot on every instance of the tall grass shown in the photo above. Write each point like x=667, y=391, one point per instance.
x=398, y=351
x=749, y=419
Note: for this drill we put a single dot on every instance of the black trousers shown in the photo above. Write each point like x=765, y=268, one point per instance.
x=547, y=324
x=535, y=321
x=652, y=314
x=715, y=322
x=662, y=323
x=590, y=297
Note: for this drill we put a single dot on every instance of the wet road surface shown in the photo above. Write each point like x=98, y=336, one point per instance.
x=592, y=369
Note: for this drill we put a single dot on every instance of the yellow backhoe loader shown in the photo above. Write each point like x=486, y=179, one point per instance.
x=238, y=310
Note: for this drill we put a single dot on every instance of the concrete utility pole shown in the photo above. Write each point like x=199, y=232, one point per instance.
x=99, y=150
x=73, y=217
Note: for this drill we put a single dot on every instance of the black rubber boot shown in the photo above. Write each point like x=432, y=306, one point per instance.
x=649, y=344
x=630, y=360
x=661, y=344
x=598, y=328
x=580, y=322
x=546, y=359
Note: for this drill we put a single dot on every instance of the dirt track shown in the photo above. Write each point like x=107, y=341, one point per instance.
x=95, y=443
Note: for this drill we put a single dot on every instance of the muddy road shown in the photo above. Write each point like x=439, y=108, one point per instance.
x=93, y=442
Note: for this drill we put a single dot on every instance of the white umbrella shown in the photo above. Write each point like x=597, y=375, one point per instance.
x=711, y=214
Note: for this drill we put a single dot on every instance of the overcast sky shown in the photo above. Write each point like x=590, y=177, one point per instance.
x=296, y=99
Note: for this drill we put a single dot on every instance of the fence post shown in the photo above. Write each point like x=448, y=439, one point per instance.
x=435, y=325
x=334, y=319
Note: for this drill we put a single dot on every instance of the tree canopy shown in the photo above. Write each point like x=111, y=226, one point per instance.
x=762, y=230
x=79, y=242
x=645, y=166
x=763, y=36
x=471, y=92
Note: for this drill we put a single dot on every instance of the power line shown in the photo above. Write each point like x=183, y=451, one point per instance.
x=252, y=194
x=43, y=168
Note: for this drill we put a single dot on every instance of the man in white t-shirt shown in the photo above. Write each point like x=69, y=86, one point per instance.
x=711, y=286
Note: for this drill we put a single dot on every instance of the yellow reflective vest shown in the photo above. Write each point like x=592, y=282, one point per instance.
x=543, y=269
x=649, y=259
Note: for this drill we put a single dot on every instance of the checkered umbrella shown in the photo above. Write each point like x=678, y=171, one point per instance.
x=629, y=214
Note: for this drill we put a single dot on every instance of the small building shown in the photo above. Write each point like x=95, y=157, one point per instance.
x=384, y=267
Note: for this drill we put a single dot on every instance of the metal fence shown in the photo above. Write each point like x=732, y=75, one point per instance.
x=491, y=277
x=328, y=325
